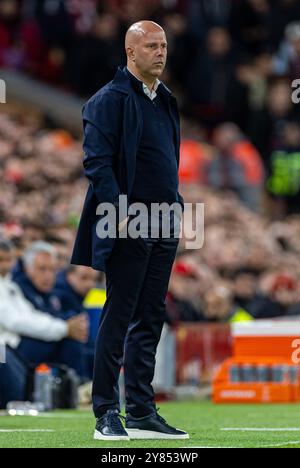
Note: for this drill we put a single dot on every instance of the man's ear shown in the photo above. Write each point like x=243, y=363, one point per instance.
x=130, y=53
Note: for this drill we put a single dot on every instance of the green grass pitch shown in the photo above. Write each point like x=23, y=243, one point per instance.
x=209, y=425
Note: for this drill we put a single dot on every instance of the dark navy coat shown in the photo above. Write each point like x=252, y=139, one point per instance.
x=45, y=302
x=70, y=299
x=111, y=140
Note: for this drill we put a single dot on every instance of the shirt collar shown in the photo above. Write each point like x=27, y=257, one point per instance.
x=150, y=93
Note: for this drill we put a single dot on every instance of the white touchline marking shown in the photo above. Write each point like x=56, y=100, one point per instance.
x=207, y=447
x=62, y=416
x=261, y=429
x=53, y=416
x=27, y=430
x=292, y=442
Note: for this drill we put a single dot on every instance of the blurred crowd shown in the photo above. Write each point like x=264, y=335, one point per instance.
x=231, y=65
x=229, y=61
x=249, y=266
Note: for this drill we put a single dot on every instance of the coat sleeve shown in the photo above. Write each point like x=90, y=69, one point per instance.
x=17, y=315
x=102, y=122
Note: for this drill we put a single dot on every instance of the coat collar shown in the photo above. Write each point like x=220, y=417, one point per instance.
x=122, y=83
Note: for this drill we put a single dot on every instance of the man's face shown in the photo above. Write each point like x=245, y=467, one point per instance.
x=217, y=304
x=42, y=272
x=63, y=255
x=150, y=53
x=6, y=262
x=244, y=285
x=82, y=279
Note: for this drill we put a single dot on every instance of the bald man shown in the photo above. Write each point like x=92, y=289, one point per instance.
x=131, y=145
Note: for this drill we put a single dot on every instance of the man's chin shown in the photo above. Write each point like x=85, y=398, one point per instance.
x=157, y=72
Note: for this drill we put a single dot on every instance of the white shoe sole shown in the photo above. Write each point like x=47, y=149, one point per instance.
x=99, y=436
x=141, y=434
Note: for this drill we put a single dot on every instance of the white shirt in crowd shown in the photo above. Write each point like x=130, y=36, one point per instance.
x=18, y=317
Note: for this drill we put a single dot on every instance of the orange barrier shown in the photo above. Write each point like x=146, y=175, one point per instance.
x=264, y=366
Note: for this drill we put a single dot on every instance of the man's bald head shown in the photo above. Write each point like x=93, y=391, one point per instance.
x=139, y=29
x=146, y=49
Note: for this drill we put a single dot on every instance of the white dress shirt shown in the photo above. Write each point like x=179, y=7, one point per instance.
x=150, y=93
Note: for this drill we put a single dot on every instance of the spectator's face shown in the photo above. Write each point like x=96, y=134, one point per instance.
x=6, y=262
x=217, y=303
x=244, y=285
x=63, y=255
x=42, y=272
x=285, y=297
x=218, y=42
x=291, y=135
x=261, y=6
x=8, y=9
x=82, y=279
x=32, y=234
x=150, y=53
x=279, y=99
x=106, y=27
x=176, y=24
x=225, y=135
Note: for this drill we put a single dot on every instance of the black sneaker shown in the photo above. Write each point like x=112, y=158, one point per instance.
x=152, y=427
x=109, y=427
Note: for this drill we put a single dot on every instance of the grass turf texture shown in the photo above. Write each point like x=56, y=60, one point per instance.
x=203, y=420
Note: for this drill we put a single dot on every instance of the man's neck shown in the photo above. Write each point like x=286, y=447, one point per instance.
x=149, y=81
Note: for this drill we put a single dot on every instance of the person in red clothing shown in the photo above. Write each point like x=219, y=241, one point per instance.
x=194, y=157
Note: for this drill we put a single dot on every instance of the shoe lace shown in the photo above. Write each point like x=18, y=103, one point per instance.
x=114, y=421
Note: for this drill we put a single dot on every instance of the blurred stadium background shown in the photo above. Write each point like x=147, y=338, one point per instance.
x=231, y=66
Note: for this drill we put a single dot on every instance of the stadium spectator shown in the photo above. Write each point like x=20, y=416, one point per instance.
x=284, y=180
x=20, y=321
x=282, y=300
x=249, y=24
x=219, y=306
x=11, y=54
x=245, y=288
x=101, y=46
x=248, y=88
x=194, y=157
x=287, y=60
x=203, y=14
x=37, y=284
x=183, y=286
x=236, y=166
x=283, y=12
x=182, y=46
x=38, y=277
x=209, y=76
x=265, y=126
x=72, y=286
x=61, y=249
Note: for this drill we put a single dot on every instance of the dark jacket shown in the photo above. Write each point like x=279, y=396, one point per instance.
x=69, y=298
x=113, y=123
x=45, y=302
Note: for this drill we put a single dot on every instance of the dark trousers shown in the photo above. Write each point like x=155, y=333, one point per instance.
x=138, y=273
x=13, y=377
x=67, y=351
